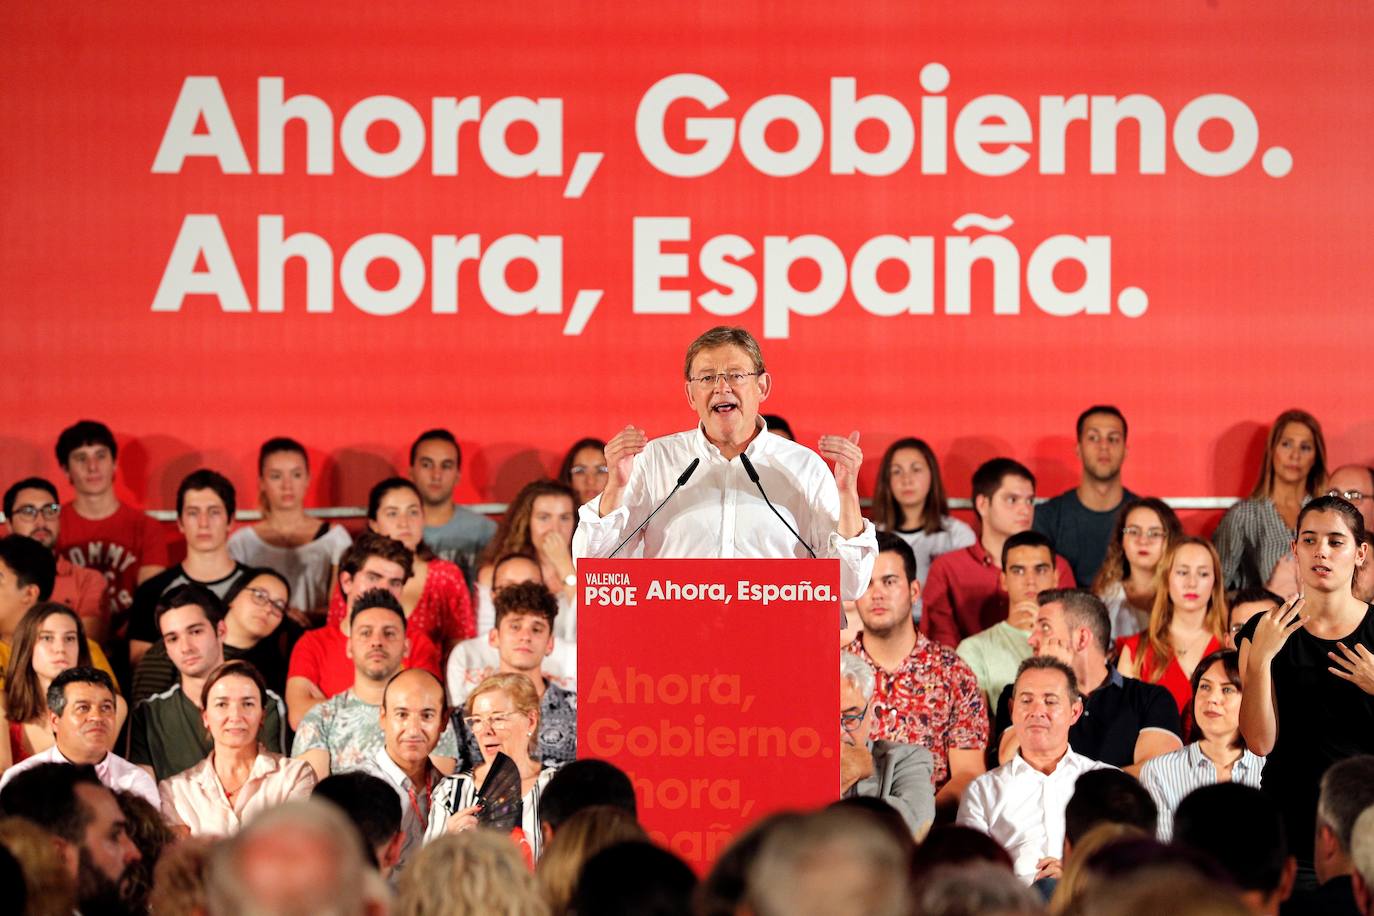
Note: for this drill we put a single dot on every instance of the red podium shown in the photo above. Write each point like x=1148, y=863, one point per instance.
x=715, y=685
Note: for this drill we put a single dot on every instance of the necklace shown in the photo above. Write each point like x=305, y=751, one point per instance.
x=1196, y=642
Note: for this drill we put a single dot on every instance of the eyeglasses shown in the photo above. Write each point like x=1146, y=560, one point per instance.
x=262, y=599
x=1350, y=496
x=1148, y=534
x=29, y=513
x=733, y=379
x=497, y=721
x=590, y=469
x=850, y=722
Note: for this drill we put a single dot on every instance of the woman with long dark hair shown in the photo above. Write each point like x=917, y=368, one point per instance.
x=909, y=501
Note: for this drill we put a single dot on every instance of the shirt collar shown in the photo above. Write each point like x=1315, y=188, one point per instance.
x=56, y=756
x=979, y=553
x=393, y=770
x=1018, y=764
x=756, y=445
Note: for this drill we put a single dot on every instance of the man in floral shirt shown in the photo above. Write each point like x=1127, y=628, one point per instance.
x=925, y=693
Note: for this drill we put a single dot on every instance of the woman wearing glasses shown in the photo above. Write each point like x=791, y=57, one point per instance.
x=503, y=713
x=1188, y=622
x=257, y=629
x=584, y=469
x=1146, y=528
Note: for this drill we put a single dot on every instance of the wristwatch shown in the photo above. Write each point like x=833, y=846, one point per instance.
x=570, y=579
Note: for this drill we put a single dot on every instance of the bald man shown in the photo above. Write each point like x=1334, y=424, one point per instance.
x=1354, y=483
x=413, y=716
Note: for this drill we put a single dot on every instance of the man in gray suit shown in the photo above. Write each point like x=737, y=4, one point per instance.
x=900, y=774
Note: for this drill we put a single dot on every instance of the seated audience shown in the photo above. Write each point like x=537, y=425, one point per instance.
x=50, y=640
x=1354, y=483
x=239, y=777
x=179, y=879
x=303, y=550
x=925, y=695
x=1076, y=878
x=205, y=512
x=32, y=510
x=723, y=889
x=586, y=833
x=369, y=803
x=1246, y=603
x=503, y=712
x=345, y=730
x=584, y=469
x=1021, y=803
x=909, y=501
x=539, y=523
x=413, y=719
x=523, y=639
x=27, y=573
x=99, y=531
x=964, y=593
x=1146, y=528
x=1126, y=721
x=454, y=533
x=994, y=655
x=1347, y=790
x=300, y=857
x=1079, y=521
x=1255, y=536
x=168, y=734
x=473, y=659
x=1217, y=753
x=1362, y=857
x=1243, y=833
x=88, y=829
x=1188, y=622
x=1107, y=796
x=435, y=598
x=320, y=667
x=1309, y=694
x=151, y=836
x=899, y=774
x=469, y=874
x=632, y=878
x=832, y=862
x=256, y=628
x=582, y=784
x=83, y=727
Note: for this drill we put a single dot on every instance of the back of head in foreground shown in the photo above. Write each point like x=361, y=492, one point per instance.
x=974, y=889
x=579, y=838
x=1174, y=890
x=1241, y=829
x=635, y=878
x=831, y=863
x=301, y=858
x=583, y=784
x=470, y=873
x=1107, y=797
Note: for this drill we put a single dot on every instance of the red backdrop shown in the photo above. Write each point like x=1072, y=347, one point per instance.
x=1256, y=282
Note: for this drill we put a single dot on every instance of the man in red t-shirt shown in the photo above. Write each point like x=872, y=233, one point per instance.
x=320, y=666
x=100, y=532
x=32, y=510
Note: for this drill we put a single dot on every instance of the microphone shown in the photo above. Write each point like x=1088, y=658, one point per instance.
x=754, y=476
x=681, y=480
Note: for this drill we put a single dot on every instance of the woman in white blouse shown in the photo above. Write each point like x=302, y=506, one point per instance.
x=239, y=777
x=503, y=713
x=1218, y=752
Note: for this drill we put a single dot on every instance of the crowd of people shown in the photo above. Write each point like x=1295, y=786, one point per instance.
x=1072, y=706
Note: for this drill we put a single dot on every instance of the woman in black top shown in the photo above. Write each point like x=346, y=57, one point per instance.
x=1308, y=670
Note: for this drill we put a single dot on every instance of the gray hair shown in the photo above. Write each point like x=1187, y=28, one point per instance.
x=976, y=887
x=317, y=831
x=1347, y=788
x=857, y=672
x=1362, y=846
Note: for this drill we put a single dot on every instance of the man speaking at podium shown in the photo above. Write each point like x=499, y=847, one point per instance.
x=723, y=475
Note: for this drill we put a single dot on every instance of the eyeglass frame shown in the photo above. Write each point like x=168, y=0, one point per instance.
x=732, y=379
x=1354, y=497
x=858, y=719
x=589, y=469
x=262, y=598
x=1148, y=534
x=49, y=511
x=491, y=721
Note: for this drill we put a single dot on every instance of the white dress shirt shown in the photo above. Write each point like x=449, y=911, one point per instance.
x=720, y=514
x=115, y=773
x=1023, y=808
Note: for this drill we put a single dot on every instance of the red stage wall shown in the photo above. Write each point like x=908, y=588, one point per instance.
x=1220, y=248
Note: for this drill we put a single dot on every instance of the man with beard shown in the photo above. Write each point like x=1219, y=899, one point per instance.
x=345, y=731
x=32, y=510
x=87, y=825
x=924, y=694
x=1079, y=521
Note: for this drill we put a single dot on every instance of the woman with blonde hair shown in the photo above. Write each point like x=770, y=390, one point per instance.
x=46, y=878
x=1145, y=530
x=1189, y=621
x=579, y=838
x=1076, y=875
x=1255, y=537
x=502, y=713
x=467, y=874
